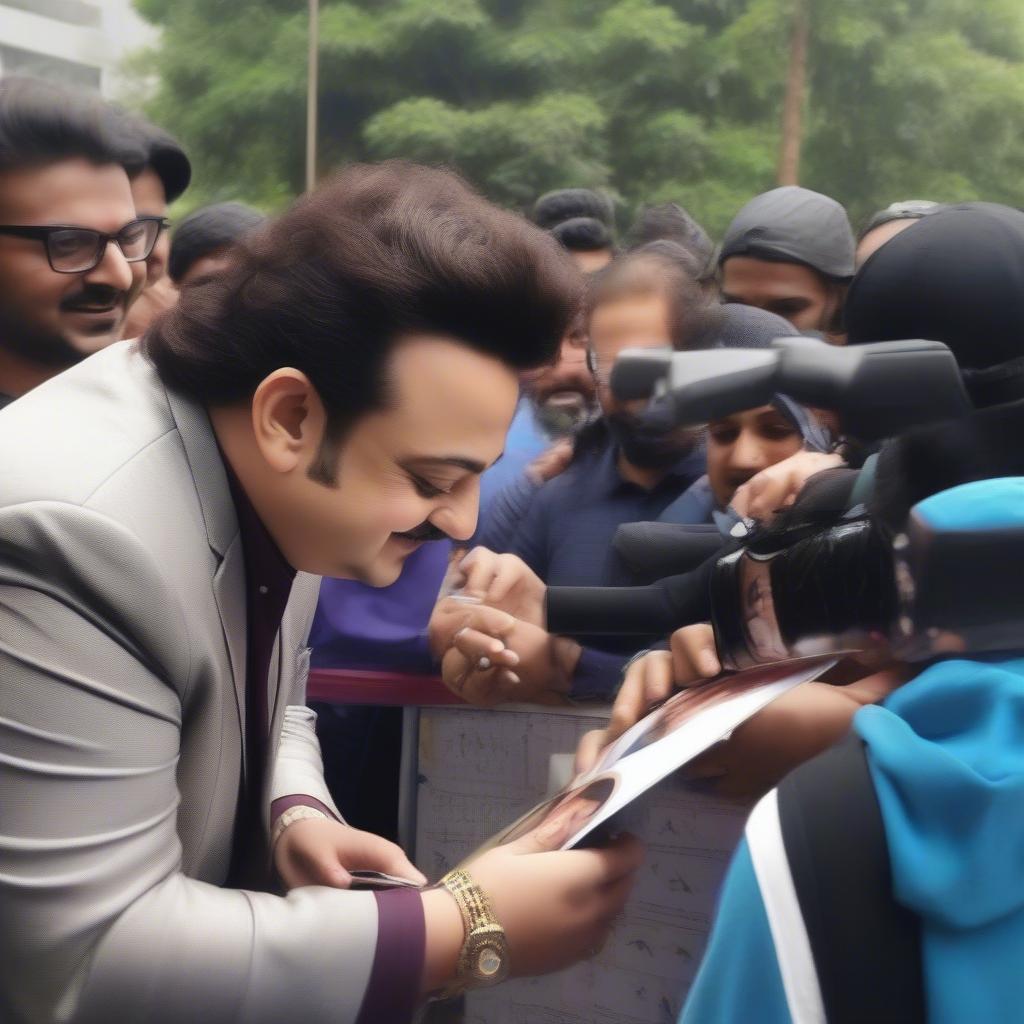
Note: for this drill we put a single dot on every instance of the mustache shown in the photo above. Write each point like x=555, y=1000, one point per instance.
x=580, y=382
x=425, y=531
x=93, y=296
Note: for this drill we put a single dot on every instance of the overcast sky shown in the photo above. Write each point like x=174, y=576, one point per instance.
x=127, y=32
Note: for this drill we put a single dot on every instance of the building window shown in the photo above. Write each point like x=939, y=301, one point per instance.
x=20, y=62
x=71, y=12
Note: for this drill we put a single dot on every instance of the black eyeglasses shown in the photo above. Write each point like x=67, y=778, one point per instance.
x=72, y=250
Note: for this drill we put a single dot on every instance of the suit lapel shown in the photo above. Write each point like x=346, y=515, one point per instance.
x=229, y=593
x=207, y=466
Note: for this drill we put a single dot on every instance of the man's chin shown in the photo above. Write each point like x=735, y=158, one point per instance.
x=381, y=572
x=84, y=344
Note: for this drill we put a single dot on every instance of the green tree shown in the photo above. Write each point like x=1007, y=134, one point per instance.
x=653, y=101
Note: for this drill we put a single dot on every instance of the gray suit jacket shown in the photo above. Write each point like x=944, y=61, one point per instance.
x=122, y=671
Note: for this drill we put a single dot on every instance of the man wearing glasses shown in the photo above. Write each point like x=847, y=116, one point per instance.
x=72, y=251
x=156, y=185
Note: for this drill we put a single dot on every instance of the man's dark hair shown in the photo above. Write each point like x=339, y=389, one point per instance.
x=554, y=208
x=375, y=254
x=208, y=231
x=583, y=234
x=161, y=152
x=669, y=222
x=42, y=123
x=661, y=269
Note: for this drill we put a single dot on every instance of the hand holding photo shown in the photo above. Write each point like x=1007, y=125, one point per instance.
x=671, y=735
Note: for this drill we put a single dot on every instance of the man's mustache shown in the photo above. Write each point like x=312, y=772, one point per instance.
x=579, y=382
x=425, y=531
x=93, y=297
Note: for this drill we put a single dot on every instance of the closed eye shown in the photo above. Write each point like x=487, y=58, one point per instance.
x=425, y=489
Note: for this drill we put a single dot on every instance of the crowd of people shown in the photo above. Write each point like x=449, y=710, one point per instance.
x=381, y=430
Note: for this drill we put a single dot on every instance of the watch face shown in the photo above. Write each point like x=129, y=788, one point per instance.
x=486, y=956
x=488, y=962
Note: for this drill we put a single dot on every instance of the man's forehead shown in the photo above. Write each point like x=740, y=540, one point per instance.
x=433, y=370
x=750, y=415
x=74, y=192
x=767, y=278
x=644, y=313
x=450, y=398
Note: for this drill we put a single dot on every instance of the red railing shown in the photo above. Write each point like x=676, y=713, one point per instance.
x=389, y=689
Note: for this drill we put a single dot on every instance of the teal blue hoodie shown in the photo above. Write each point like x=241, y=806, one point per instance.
x=946, y=753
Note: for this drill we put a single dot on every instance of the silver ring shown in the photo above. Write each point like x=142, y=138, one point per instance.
x=483, y=664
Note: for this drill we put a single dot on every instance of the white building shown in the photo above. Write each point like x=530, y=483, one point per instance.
x=78, y=42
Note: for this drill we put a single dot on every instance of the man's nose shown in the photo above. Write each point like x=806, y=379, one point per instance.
x=112, y=270
x=572, y=355
x=458, y=516
x=747, y=453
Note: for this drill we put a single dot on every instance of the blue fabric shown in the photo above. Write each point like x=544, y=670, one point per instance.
x=597, y=675
x=997, y=505
x=947, y=757
x=567, y=533
x=694, y=505
x=499, y=528
x=523, y=443
x=739, y=980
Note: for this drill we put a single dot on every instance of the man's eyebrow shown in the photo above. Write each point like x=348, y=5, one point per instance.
x=472, y=465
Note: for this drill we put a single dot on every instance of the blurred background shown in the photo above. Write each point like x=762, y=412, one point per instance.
x=701, y=102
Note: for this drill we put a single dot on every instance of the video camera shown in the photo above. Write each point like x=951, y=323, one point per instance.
x=949, y=583
x=832, y=586
x=877, y=390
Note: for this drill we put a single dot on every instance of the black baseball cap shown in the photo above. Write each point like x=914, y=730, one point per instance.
x=793, y=225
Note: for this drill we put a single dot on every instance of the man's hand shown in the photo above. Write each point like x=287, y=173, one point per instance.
x=321, y=852
x=556, y=908
x=787, y=732
x=495, y=658
x=504, y=582
x=778, y=486
x=650, y=680
x=550, y=463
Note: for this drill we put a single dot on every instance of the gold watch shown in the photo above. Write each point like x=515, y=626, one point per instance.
x=300, y=812
x=483, y=959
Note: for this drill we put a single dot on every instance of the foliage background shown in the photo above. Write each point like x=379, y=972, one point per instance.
x=677, y=100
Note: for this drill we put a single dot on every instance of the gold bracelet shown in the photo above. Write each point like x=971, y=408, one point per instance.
x=483, y=959
x=300, y=812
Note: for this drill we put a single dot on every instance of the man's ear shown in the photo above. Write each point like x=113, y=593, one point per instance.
x=287, y=420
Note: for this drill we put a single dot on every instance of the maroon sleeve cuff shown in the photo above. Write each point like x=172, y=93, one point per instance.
x=283, y=803
x=393, y=992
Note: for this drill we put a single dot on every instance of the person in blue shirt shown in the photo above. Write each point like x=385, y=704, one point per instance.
x=945, y=753
x=563, y=530
x=620, y=471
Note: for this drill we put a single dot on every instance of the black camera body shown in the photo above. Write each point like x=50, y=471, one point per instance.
x=877, y=390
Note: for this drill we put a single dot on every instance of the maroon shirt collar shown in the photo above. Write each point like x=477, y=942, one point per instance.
x=265, y=565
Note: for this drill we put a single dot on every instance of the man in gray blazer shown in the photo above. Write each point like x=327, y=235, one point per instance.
x=324, y=406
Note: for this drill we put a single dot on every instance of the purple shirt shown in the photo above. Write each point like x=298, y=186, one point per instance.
x=393, y=991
